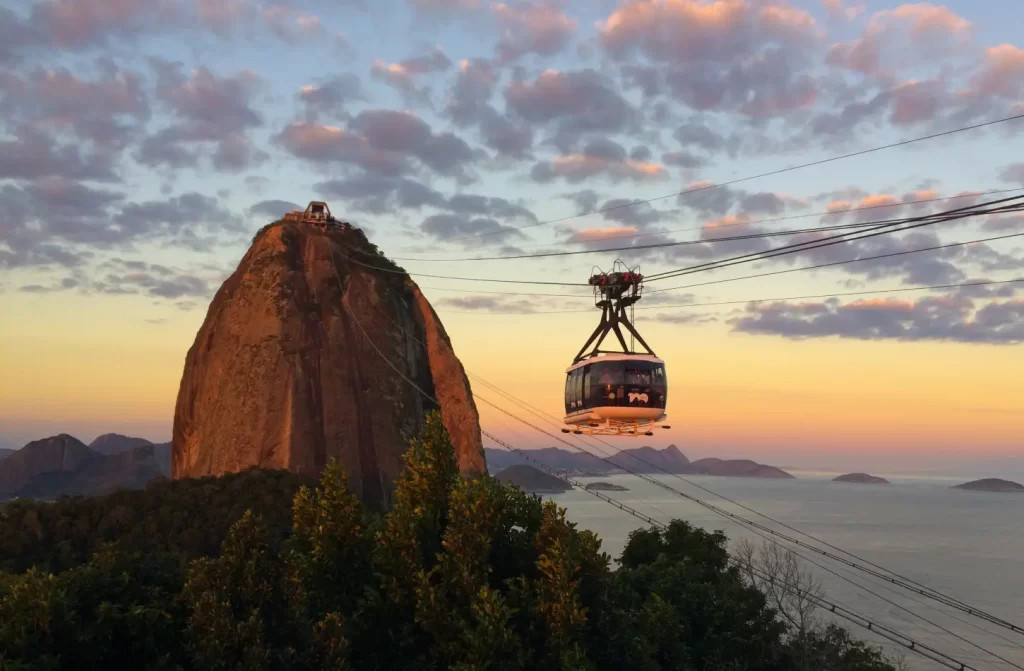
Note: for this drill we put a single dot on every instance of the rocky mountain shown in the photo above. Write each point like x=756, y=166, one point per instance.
x=57, y=454
x=63, y=464
x=861, y=478
x=736, y=468
x=287, y=369
x=114, y=443
x=532, y=480
x=991, y=485
x=646, y=460
x=669, y=458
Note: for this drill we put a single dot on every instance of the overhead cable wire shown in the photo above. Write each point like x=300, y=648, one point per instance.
x=620, y=453
x=752, y=222
x=837, y=609
x=719, y=511
x=779, y=171
x=755, y=275
x=672, y=243
x=896, y=226
x=926, y=592
x=840, y=263
x=959, y=285
x=910, y=223
x=656, y=245
x=844, y=613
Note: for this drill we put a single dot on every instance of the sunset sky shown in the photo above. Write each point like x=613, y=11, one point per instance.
x=145, y=141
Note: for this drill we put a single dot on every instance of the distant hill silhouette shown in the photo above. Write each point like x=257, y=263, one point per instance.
x=62, y=464
x=669, y=459
x=532, y=480
x=861, y=478
x=115, y=443
x=4, y=453
x=991, y=485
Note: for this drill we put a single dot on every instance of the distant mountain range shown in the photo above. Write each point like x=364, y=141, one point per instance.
x=59, y=465
x=647, y=460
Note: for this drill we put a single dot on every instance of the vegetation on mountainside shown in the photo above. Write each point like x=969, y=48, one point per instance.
x=460, y=574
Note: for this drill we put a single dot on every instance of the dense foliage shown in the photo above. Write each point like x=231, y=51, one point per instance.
x=188, y=518
x=460, y=574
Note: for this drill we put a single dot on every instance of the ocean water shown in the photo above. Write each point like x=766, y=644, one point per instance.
x=967, y=545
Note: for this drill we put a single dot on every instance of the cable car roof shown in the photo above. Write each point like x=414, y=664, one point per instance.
x=614, y=357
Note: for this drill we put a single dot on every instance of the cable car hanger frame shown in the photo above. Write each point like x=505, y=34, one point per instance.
x=589, y=410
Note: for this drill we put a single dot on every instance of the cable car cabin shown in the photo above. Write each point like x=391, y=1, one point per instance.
x=616, y=393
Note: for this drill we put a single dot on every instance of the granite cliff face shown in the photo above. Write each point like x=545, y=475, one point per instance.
x=284, y=372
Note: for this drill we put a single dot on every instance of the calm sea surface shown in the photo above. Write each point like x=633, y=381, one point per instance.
x=967, y=545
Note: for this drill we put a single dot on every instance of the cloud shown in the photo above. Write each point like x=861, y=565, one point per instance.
x=108, y=111
x=1003, y=73
x=272, y=209
x=727, y=55
x=329, y=97
x=599, y=157
x=902, y=37
x=1013, y=173
x=532, y=28
x=837, y=10
x=404, y=75
x=34, y=155
x=158, y=281
x=938, y=318
x=381, y=141
x=449, y=226
x=577, y=102
x=207, y=109
x=490, y=304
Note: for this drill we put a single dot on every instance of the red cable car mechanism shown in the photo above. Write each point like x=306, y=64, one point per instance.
x=609, y=392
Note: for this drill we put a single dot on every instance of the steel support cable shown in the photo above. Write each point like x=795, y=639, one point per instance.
x=927, y=592
x=754, y=222
x=885, y=229
x=834, y=608
x=840, y=263
x=779, y=171
x=844, y=613
x=908, y=223
x=924, y=591
x=449, y=277
x=818, y=266
x=662, y=245
x=958, y=285
x=542, y=414
x=553, y=420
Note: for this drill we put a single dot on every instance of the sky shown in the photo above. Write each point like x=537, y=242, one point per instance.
x=145, y=141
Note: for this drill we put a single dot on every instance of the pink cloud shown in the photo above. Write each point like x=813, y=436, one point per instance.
x=536, y=28
x=1003, y=74
x=688, y=30
x=577, y=167
x=837, y=10
x=601, y=234
x=904, y=35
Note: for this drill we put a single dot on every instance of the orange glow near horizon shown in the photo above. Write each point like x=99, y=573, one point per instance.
x=104, y=366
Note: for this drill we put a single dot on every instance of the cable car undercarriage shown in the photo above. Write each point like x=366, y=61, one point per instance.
x=609, y=392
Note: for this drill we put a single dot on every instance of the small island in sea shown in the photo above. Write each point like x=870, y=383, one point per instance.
x=532, y=480
x=991, y=485
x=861, y=478
x=606, y=487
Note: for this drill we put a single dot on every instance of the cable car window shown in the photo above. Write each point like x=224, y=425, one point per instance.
x=577, y=384
x=586, y=395
x=568, y=393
